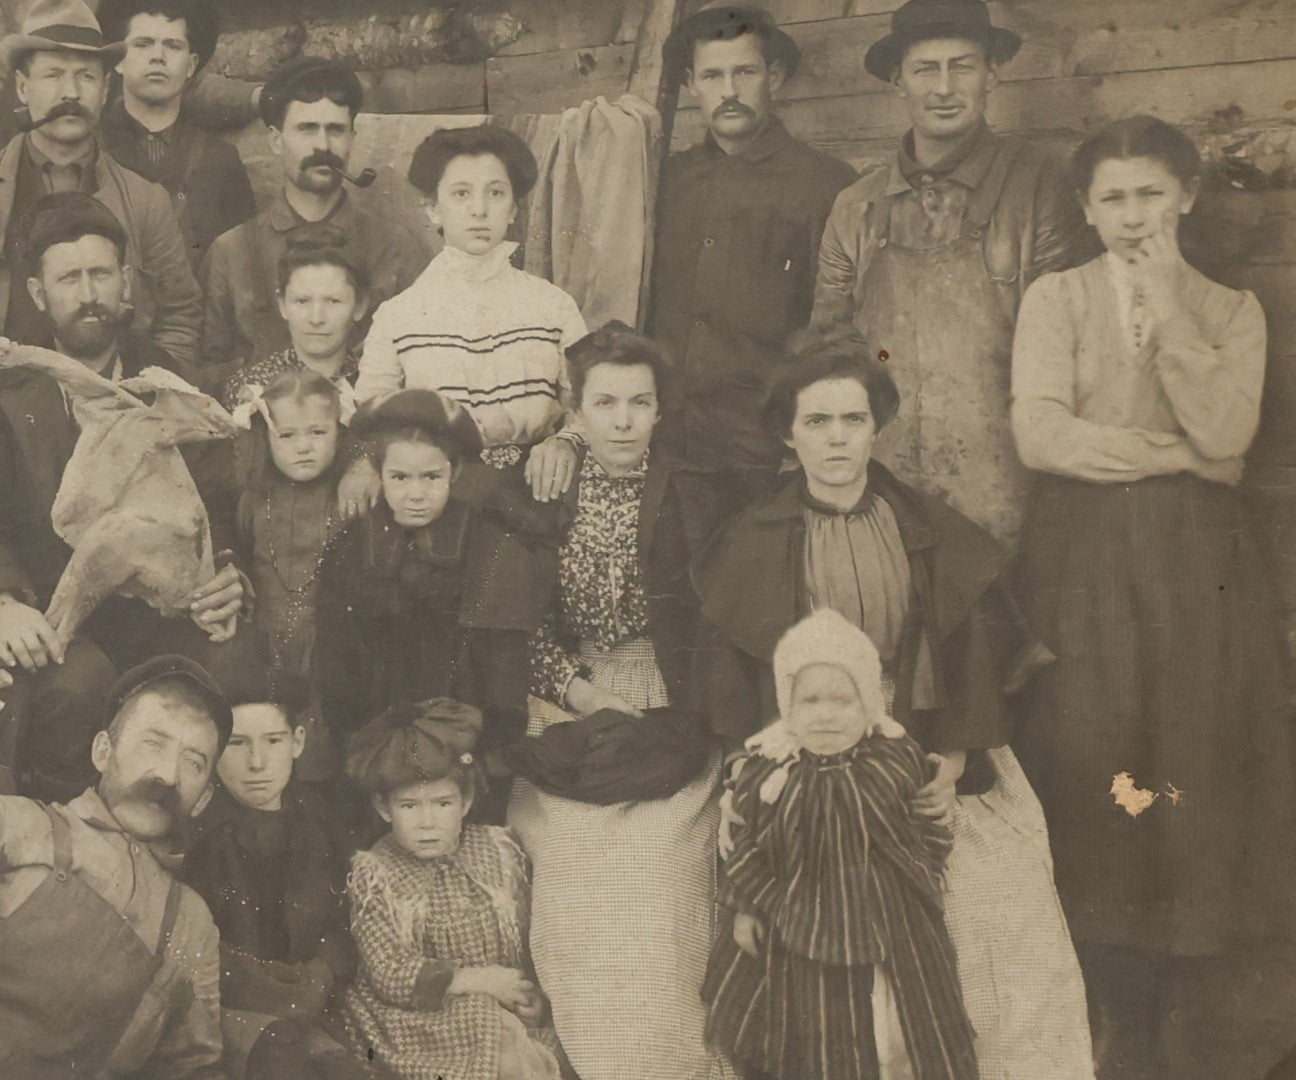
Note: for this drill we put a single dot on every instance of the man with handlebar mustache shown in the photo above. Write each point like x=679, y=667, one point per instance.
x=309, y=106
x=60, y=67
x=107, y=962
x=739, y=217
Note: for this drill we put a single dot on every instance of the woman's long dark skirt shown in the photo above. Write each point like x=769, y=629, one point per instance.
x=1170, y=670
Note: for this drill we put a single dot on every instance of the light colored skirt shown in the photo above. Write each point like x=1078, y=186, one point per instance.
x=623, y=906
x=1021, y=981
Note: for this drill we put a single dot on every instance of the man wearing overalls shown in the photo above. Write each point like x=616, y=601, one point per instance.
x=108, y=966
x=930, y=255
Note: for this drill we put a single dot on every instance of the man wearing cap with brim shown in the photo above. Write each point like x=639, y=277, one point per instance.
x=60, y=61
x=150, y=129
x=309, y=106
x=930, y=254
x=108, y=966
x=739, y=218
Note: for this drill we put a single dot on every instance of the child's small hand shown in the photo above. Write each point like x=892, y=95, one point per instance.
x=531, y=1009
x=749, y=934
x=506, y=985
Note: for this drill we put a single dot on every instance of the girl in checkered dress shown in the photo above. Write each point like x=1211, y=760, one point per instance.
x=439, y=913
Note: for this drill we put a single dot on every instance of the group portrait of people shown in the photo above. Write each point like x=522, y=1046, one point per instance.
x=865, y=669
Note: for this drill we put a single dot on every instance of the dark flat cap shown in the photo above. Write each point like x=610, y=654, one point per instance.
x=163, y=668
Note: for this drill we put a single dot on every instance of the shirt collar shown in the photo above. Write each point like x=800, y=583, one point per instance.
x=482, y=267
x=84, y=161
x=90, y=808
x=966, y=165
x=283, y=217
x=139, y=130
x=768, y=143
x=592, y=470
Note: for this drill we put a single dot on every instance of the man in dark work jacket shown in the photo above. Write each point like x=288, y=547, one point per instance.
x=50, y=713
x=739, y=219
x=168, y=42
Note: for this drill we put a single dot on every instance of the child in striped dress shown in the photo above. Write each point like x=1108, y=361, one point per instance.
x=838, y=966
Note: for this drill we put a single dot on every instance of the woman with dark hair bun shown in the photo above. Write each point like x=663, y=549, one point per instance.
x=1136, y=392
x=323, y=291
x=926, y=585
x=472, y=326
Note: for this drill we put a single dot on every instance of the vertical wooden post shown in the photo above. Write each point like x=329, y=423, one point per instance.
x=648, y=77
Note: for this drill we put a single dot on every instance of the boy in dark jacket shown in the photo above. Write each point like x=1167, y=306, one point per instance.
x=271, y=864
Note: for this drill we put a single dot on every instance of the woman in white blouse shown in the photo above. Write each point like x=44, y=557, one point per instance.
x=1160, y=746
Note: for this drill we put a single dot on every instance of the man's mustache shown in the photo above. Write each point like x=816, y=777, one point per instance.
x=155, y=791
x=63, y=108
x=323, y=157
x=85, y=311
x=733, y=107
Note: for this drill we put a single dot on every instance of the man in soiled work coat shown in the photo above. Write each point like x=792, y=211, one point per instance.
x=739, y=217
x=930, y=254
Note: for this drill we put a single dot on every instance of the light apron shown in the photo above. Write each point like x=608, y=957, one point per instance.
x=946, y=331
x=946, y=325
x=73, y=971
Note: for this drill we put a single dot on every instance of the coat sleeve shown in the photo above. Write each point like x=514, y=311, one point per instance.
x=834, y=295
x=219, y=103
x=219, y=338
x=339, y=642
x=393, y=965
x=238, y=204
x=177, y=317
x=1062, y=238
x=1215, y=381
x=14, y=578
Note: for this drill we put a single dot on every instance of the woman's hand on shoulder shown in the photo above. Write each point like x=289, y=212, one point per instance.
x=749, y=934
x=585, y=699
x=359, y=488
x=550, y=468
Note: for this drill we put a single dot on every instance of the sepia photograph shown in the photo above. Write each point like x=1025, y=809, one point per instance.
x=648, y=540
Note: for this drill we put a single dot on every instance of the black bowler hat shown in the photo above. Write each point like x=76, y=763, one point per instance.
x=161, y=668
x=724, y=22
x=923, y=20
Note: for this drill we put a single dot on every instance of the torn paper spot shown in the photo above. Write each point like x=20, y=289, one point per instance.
x=1133, y=799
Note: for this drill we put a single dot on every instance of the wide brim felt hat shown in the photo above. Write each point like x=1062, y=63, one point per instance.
x=59, y=26
x=923, y=20
x=202, y=23
x=725, y=21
